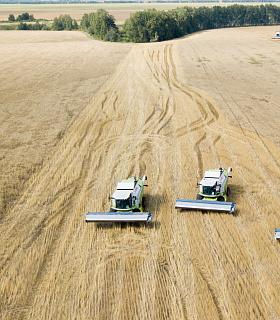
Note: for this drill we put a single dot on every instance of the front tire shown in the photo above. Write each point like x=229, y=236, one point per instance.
x=199, y=197
x=144, y=202
x=228, y=191
x=221, y=199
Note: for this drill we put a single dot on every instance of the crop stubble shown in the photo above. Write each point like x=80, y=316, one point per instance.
x=46, y=79
x=147, y=119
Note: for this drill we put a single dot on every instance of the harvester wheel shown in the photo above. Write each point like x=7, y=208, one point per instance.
x=228, y=191
x=199, y=197
x=112, y=210
x=221, y=199
x=136, y=210
x=144, y=202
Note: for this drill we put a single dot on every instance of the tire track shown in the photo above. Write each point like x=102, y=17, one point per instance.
x=211, y=288
x=252, y=150
x=137, y=124
x=253, y=203
x=216, y=116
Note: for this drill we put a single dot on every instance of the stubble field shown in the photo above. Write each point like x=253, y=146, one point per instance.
x=171, y=111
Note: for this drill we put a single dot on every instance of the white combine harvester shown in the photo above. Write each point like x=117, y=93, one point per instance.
x=277, y=35
x=213, y=193
x=277, y=234
x=128, y=204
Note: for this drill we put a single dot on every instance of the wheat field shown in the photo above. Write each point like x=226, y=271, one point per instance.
x=171, y=111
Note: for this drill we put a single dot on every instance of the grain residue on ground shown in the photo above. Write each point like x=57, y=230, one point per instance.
x=149, y=118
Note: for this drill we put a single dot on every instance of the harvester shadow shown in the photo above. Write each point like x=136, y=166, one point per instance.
x=206, y=212
x=128, y=225
x=234, y=214
x=236, y=192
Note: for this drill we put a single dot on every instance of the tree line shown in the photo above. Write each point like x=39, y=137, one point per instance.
x=21, y=17
x=120, y=1
x=34, y=26
x=26, y=17
x=153, y=25
x=63, y=22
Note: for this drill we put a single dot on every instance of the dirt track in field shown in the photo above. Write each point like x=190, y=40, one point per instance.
x=150, y=117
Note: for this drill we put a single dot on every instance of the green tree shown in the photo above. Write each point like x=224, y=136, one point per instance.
x=112, y=35
x=67, y=22
x=23, y=17
x=57, y=24
x=64, y=22
x=75, y=25
x=184, y=20
x=152, y=25
x=136, y=26
x=23, y=26
x=37, y=26
x=100, y=24
x=11, y=18
x=85, y=22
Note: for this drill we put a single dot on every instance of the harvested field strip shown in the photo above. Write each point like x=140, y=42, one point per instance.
x=187, y=265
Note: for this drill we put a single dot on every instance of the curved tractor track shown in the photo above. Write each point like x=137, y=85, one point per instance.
x=185, y=265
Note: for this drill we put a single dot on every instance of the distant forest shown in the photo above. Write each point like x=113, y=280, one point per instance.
x=124, y=1
x=152, y=25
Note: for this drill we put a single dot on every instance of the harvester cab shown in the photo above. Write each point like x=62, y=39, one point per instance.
x=127, y=204
x=212, y=194
x=214, y=186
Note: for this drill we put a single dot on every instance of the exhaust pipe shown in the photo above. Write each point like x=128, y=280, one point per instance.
x=229, y=170
x=144, y=179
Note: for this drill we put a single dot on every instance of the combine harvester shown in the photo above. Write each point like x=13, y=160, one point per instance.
x=128, y=204
x=213, y=193
x=277, y=234
x=277, y=35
